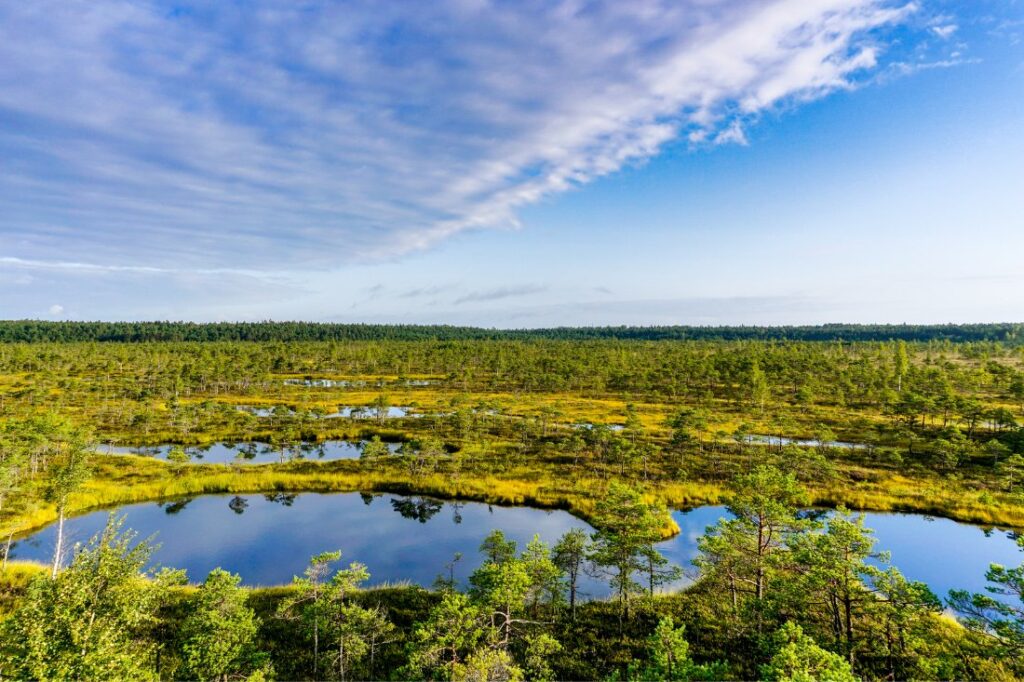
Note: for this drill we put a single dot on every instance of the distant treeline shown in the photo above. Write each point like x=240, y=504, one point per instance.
x=12, y=331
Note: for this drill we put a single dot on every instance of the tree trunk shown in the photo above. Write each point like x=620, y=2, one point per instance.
x=760, y=564
x=316, y=643
x=572, y=595
x=848, y=613
x=60, y=542
x=7, y=548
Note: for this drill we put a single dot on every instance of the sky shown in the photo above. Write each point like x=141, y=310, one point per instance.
x=513, y=163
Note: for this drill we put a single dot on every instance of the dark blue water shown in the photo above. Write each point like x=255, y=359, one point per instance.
x=251, y=452
x=268, y=539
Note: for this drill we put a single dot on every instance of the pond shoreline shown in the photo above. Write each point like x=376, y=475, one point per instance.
x=347, y=476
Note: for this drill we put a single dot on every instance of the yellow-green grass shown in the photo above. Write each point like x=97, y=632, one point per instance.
x=724, y=415
x=14, y=580
x=17, y=574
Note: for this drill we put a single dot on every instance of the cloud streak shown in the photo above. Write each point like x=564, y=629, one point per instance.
x=501, y=293
x=264, y=135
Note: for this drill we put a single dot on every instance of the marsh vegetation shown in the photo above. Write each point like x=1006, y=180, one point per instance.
x=617, y=436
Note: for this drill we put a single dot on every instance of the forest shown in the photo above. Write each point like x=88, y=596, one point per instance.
x=799, y=435
x=133, y=332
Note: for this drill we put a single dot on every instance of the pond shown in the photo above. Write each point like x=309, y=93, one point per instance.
x=356, y=383
x=252, y=452
x=803, y=442
x=324, y=383
x=269, y=538
x=368, y=413
x=590, y=425
x=358, y=412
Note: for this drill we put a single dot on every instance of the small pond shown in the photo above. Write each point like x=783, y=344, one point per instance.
x=353, y=412
x=252, y=452
x=368, y=413
x=354, y=383
x=589, y=425
x=803, y=442
x=269, y=538
x=324, y=383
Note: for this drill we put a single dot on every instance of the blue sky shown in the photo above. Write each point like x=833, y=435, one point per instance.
x=513, y=164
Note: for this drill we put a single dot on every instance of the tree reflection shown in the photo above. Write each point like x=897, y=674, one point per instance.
x=285, y=499
x=419, y=508
x=176, y=506
x=247, y=451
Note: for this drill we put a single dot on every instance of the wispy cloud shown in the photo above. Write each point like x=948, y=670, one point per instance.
x=76, y=267
x=420, y=292
x=264, y=134
x=501, y=293
x=902, y=69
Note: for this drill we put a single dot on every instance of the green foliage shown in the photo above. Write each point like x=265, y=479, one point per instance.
x=527, y=418
x=497, y=549
x=446, y=639
x=500, y=586
x=343, y=636
x=998, y=619
x=540, y=649
x=546, y=586
x=487, y=665
x=570, y=555
x=374, y=451
x=134, y=332
x=669, y=656
x=623, y=544
x=744, y=554
x=218, y=635
x=799, y=659
x=93, y=620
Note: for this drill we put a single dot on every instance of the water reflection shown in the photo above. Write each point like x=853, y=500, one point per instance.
x=347, y=411
x=310, y=382
x=369, y=413
x=269, y=538
x=803, y=442
x=175, y=506
x=252, y=452
x=419, y=508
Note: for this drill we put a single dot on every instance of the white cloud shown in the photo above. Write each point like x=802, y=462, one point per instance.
x=945, y=31
x=250, y=137
x=56, y=310
x=732, y=134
